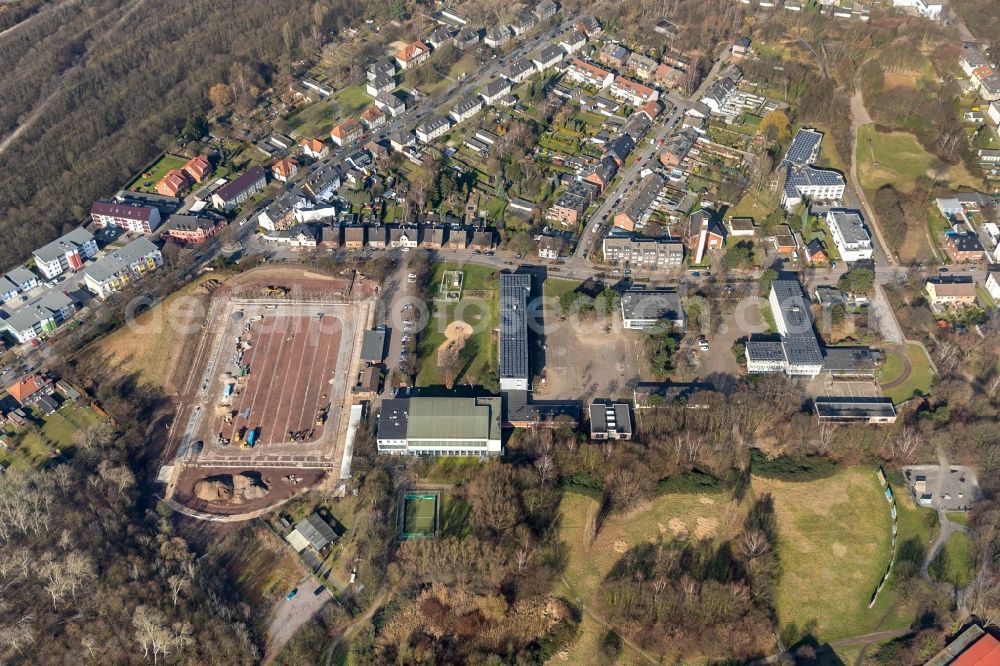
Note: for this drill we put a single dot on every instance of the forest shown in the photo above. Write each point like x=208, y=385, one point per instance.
x=93, y=91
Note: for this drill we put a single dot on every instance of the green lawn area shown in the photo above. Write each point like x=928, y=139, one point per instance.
x=316, y=120
x=555, y=288
x=834, y=543
x=921, y=376
x=479, y=356
x=32, y=443
x=455, y=512
x=589, y=117
x=751, y=205
x=897, y=158
x=144, y=183
x=353, y=100
x=954, y=563
x=960, y=517
x=985, y=299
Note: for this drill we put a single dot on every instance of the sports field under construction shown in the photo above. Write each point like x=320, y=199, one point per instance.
x=271, y=383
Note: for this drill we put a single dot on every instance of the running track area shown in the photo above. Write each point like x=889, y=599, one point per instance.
x=292, y=360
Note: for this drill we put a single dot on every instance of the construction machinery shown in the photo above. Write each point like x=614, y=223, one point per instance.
x=274, y=292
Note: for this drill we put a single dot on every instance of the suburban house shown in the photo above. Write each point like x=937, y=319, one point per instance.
x=964, y=247
x=390, y=104
x=119, y=267
x=236, y=191
x=550, y=56
x=381, y=67
x=573, y=42
x=592, y=75
x=29, y=390
x=704, y=233
x=495, y=89
x=466, y=108
x=523, y=22
x=589, y=25
x=379, y=85
x=549, y=247
x=497, y=36
x=741, y=46
x=645, y=309
x=404, y=237
x=520, y=70
x=439, y=36
x=373, y=117
x=632, y=92
x=432, y=238
x=38, y=317
x=641, y=65
x=190, y=230
x=992, y=284
x=347, y=132
x=284, y=169
x=412, y=55
x=815, y=252
x=315, y=148
x=546, y=9
x=613, y=54
x=466, y=38
x=803, y=180
x=173, y=183
x=197, y=168
x=847, y=228
x=433, y=128
x=440, y=426
x=482, y=240
x=651, y=254
x=950, y=291
x=67, y=252
x=719, y=95
x=610, y=420
x=131, y=217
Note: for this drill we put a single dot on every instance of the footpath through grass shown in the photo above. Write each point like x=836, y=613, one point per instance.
x=918, y=382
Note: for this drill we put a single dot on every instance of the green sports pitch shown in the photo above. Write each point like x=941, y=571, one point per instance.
x=419, y=515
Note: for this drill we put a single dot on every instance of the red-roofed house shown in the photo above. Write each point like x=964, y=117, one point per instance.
x=315, y=148
x=347, y=132
x=412, y=55
x=633, y=92
x=284, y=169
x=980, y=73
x=197, y=168
x=30, y=389
x=373, y=117
x=651, y=108
x=172, y=183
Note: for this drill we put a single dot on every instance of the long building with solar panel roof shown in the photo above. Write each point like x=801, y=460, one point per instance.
x=798, y=353
x=802, y=179
x=515, y=365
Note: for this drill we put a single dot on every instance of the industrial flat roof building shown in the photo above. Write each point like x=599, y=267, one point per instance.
x=645, y=309
x=849, y=234
x=854, y=410
x=515, y=365
x=440, y=426
x=610, y=420
x=311, y=531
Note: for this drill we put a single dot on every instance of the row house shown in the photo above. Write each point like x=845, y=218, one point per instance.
x=235, y=192
x=39, y=317
x=613, y=55
x=172, y=184
x=651, y=254
x=589, y=74
x=601, y=173
x=636, y=210
x=641, y=65
x=197, y=168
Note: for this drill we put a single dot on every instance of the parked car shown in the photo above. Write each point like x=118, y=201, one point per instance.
x=291, y=595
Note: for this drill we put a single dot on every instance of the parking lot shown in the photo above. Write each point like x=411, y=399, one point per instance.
x=954, y=489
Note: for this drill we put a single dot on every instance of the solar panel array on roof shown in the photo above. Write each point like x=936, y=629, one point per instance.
x=804, y=147
x=514, y=292
x=797, y=336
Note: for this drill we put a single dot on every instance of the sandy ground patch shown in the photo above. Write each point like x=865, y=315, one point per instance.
x=678, y=527
x=706, y=527
x=706, y=500
x=620, y=547
x=455, y=334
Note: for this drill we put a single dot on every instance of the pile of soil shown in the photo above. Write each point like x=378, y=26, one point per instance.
x=231, y=489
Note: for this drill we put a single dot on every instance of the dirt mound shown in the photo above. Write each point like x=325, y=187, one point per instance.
x=455, y=335
x=231, y=489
